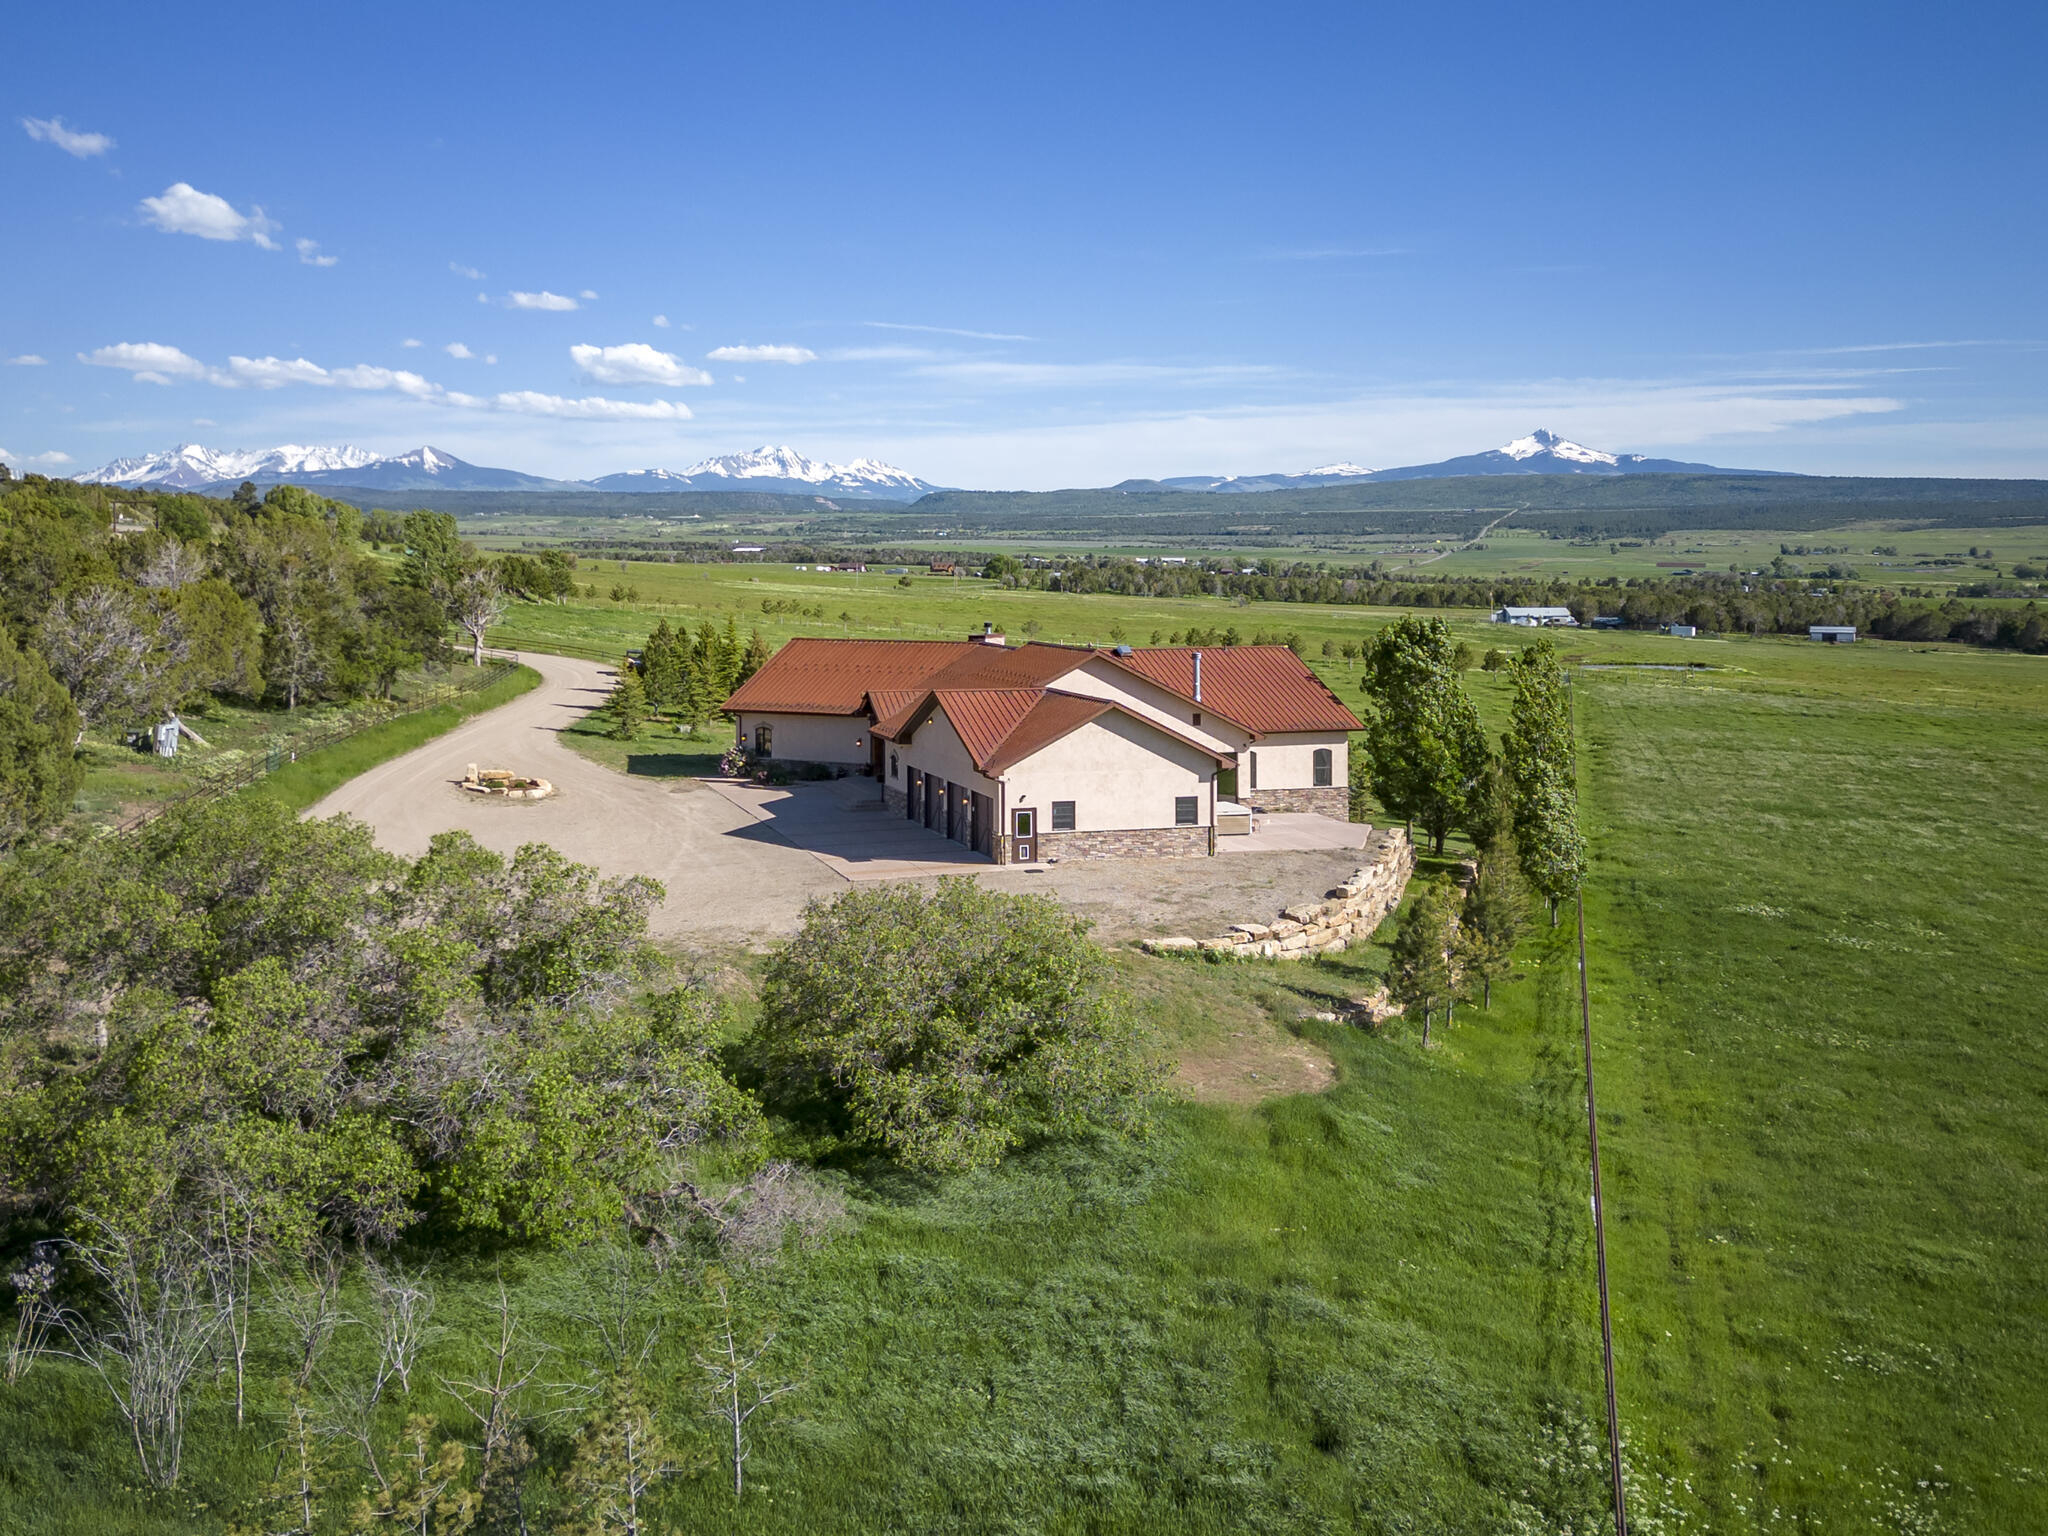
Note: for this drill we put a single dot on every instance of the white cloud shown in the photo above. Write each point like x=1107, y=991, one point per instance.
x=457, y=349
x=541, y=300
x=771, y=354
x=997, y=374
x=51, y=130
x=946, y=330
x=412, y=341
x=491, y=358
x=635, y=362
x=661, y=322
x=588, y=293
x=309, y=254
x=184, y=210
x=149, y=361
x=274, y=372
x=52, y=458
x=469, y=272
x=883, y=355
x=26, y=360
x=527, y=402
x=365, y=376
x=204, y=421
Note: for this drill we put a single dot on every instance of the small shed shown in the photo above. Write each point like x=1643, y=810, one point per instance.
x=1831, y=634
x=1683, y=631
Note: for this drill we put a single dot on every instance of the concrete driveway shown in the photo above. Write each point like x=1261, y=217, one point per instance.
x=843, y=824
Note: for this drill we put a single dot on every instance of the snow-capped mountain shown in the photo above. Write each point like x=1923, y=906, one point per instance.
x=782, y=471
x=431, y=469
x=189, y=466
x=1545, y=453
x=1327, y=474
x=1540, y=453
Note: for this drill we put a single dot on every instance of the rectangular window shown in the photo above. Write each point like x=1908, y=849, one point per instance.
x=1322, y=767
x=1254, y=759
x=1063, y=815
x=1187, y=811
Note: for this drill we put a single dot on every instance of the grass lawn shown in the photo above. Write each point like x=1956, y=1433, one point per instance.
x=1817, y=988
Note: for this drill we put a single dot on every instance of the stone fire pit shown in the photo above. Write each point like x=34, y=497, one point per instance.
x=505, y=784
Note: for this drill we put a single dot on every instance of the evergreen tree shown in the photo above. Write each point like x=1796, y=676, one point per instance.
x=756, y=656
x=1360, y=782
x=1424, y=739
x=1419, y=971
x=619, y=1458
x=1494, y=915
x=425, y=1495
x=628, y=705
x=39, y=773
x=663, y=669
x=731, y=656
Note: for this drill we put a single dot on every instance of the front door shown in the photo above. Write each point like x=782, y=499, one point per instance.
x=1025, y=825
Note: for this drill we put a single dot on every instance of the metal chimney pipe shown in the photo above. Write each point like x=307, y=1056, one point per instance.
x=1198, y=677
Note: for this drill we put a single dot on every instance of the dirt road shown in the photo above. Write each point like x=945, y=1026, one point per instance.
x=728, y=880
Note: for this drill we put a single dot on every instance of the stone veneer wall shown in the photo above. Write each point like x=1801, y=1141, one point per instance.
x=1352, y=911
x=1334, y=802
x=1146, y=842
x=897, y=800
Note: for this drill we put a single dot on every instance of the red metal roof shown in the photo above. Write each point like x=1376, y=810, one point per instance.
x=1265, y=688
x=1003, y=726
x=834, y=677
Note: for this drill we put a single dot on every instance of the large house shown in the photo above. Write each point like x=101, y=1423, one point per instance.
x=1038, y=751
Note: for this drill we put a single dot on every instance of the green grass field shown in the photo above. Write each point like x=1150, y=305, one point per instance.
x=1817, y=986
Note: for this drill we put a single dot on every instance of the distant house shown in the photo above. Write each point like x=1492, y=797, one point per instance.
x=1034, y=752
x=1607, y=621
x=1831, y=634
x=942, y=567
x=1543, y=618
x=748, y=549
x=1683, y=631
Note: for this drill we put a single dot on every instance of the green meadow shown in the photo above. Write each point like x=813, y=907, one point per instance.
x=1817, y=985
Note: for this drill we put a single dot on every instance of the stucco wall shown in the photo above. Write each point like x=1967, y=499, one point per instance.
x=1288, y=762
x=1098, y=679
x=811, y=738
x=937, y=751
x=1119, y=773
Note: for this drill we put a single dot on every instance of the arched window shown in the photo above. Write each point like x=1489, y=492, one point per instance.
x=1322, y=768
x=764, y=740
x=892, y=765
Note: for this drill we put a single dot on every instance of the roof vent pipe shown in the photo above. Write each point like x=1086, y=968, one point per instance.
x=1198, y=677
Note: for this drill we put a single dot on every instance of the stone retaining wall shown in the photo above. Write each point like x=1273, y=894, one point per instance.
x=1138, y=843
x=1351, y=912
x=1334, y=803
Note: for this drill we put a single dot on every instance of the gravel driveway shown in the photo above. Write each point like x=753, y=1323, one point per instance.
x=731, y=880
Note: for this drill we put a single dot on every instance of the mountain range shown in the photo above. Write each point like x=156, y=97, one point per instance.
x=780, y=471
x=783, y=471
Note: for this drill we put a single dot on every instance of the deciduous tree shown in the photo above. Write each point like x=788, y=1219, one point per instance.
x=1423, y=740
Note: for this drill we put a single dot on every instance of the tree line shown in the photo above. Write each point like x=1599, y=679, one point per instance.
x=117, y=607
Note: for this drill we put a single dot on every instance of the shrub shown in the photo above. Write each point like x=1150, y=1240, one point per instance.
x=950, y=1026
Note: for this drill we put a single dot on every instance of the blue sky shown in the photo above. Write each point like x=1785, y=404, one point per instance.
x=1029, y=246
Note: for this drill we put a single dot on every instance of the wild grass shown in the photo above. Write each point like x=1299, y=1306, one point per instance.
x=1817, y=984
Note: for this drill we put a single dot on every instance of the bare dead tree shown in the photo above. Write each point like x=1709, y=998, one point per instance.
x=298, y=1477
x=99, y=642
x=173, y=564
x=737, y=1386
x=160, y=1333
x=400, y=1305
x=37, y=1317
x=623, y=1314
x=350, y=1413
x=477, y=602
x=493, y=1396
x=229, y=1251
x=307, y=1300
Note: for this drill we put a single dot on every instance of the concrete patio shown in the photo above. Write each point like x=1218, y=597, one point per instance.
x=1294, y=832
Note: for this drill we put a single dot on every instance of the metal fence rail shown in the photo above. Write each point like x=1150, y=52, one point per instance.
x=461, y=683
